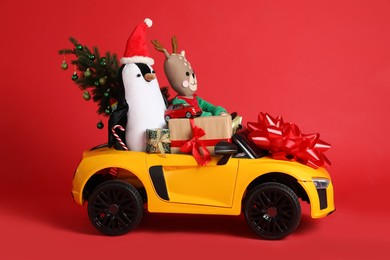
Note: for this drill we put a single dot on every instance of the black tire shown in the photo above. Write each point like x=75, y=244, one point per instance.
x=188, y=115
x=167, y=118
x=272, y=210
x=115, y=207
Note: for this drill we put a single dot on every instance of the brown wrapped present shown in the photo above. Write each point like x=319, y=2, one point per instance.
x=216, y=128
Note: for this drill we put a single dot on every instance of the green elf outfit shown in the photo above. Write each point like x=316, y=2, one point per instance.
x=195, y=101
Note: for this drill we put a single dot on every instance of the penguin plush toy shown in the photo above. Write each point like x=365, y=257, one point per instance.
x=143, y=102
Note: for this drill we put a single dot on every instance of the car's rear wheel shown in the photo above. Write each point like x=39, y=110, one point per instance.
x=272, y=210
x=115, y=207
x=167, y=118
x=188, y=115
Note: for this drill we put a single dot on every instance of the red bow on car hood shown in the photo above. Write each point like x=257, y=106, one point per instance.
x=285, y=141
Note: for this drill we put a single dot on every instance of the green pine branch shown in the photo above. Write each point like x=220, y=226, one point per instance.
x=96, y=74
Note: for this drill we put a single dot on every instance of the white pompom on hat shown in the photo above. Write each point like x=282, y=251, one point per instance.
x=136, y=49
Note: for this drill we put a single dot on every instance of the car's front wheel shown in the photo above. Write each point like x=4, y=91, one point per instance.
x=272, y=210
x=115, y=207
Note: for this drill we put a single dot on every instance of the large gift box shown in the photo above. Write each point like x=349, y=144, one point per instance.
x=158, y=141
x=215, y=128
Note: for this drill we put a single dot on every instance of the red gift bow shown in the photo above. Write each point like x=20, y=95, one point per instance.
x=207, y=142
x=285, y=141
x=195, y=146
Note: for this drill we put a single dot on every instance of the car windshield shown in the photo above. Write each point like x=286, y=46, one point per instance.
x=246, y=148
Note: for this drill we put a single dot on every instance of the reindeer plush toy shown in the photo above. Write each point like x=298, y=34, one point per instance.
x=182, y=79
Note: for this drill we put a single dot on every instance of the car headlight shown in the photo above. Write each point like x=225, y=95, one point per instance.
x=321, y=183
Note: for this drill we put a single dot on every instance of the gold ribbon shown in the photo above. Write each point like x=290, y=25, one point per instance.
x=159, y=141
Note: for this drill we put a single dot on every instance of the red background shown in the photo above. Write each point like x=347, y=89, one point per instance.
x=324, y=65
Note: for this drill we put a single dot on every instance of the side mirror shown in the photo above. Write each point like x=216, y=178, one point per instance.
x=225, y=149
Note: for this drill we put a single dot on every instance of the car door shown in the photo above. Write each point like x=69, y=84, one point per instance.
x=178, y=178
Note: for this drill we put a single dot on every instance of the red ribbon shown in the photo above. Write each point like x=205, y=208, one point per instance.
x=285, y=141
x=207, y=142
x=195, y=146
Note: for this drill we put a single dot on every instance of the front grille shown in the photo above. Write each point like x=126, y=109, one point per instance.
x=323, y=198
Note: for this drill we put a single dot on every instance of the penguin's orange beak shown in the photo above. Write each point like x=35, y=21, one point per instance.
x=149, y=76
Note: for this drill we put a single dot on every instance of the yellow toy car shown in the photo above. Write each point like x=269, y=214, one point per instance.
x=240, y=178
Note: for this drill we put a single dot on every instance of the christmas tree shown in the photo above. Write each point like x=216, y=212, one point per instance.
x=98, y=76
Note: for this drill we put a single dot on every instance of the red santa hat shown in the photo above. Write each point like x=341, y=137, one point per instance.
x=136, y=49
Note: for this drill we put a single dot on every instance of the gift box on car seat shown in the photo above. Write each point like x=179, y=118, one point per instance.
x=216, y=129
x=158, y=141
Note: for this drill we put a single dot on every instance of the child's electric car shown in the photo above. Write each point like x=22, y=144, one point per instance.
x=120, y=185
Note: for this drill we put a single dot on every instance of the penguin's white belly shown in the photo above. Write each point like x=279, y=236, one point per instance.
x=146, y=107
x=149, y=117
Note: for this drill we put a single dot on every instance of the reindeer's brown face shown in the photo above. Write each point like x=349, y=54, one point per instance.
x=180, y=74
x=178, y=70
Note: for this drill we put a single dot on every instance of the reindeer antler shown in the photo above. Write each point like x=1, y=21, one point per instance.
x=158, y=46
x=174, y=44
